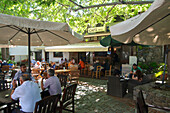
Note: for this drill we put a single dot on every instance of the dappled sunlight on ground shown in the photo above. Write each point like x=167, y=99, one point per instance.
x=91, y=97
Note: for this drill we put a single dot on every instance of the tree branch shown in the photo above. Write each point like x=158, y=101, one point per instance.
x=109, y=12
x=59, y=10
x=76, y=4
x=4, y=8
x=98, y=15
x=115, y=3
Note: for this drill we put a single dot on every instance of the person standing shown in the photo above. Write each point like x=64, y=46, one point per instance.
x=28, y=94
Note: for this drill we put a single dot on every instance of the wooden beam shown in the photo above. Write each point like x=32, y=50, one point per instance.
x=114, y=3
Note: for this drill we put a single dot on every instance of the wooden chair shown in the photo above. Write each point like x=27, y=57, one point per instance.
x=35, y=72
x=89, y=72
x=3, y=85
x=97, y=72
x=108, y=72
x=5, y=69
x=63, y=79
x=142, y=107
x=47, y=104
x=68, y=98
x=74, y=76
x=86, y=69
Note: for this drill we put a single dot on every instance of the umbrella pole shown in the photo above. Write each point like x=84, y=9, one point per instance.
x=166, y=55
x=29, y=51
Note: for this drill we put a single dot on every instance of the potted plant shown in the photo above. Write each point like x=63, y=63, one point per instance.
x=10, y=63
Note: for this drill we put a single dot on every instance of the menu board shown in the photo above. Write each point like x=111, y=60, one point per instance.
x=132, y=60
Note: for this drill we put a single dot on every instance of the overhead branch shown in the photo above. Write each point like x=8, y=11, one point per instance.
x=115, y=3
x=59, y=9
x=98, y=15
x=66, y=6
x=109, y=12
x=4, y=8
x=76, y=4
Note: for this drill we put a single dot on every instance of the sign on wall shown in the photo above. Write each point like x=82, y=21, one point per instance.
x=97, y=29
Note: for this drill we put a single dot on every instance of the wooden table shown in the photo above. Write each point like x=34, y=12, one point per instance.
x=6, y=100
x=62, y=71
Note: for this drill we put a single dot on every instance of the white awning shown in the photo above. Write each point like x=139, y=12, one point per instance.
x=79, y=47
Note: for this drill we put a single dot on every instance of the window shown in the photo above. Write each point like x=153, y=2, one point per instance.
x=57, y=54
x=100, y=54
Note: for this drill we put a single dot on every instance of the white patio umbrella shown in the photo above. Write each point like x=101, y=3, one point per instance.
x=148, y=28
x=23, y=31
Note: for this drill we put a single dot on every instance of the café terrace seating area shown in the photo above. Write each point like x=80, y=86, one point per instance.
x=91, y=92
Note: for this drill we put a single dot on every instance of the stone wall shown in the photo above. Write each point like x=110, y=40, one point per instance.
x=153, y=96
x=150, y=54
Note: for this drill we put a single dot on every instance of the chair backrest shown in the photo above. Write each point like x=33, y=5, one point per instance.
x=36, y=71
x=47, y=104
x=98, y=68
x=63, y=79
x=110, y=68
x=3, y=85
x=5, y=68
x=69, y=93
x=141, y=105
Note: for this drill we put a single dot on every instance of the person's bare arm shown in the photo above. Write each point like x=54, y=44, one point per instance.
x=135, y=78
x=42, y=85
x=13, y=88
x=131, y=72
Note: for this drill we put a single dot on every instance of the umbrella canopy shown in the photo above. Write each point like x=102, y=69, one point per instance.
x=15, y=30
x=23, y=31
x=148, y=28
x=108, y=41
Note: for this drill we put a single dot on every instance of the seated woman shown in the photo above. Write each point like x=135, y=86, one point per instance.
x=81, y=64
x=53, y=65
x=137, y=79
x=138, y=76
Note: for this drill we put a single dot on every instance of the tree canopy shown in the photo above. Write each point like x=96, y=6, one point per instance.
x=76, y=13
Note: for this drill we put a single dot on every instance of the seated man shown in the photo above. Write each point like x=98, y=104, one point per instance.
x=133, y=70
x=95, y=65
x=20, y=73
x=52, y=83
x=105, y=66
x=28, y=94
x=38, y=65
x=81, y=64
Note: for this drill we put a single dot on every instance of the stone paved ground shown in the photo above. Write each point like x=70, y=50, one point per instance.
x=91, y=97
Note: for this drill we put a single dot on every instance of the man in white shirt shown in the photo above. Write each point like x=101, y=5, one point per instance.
x=28, y=94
